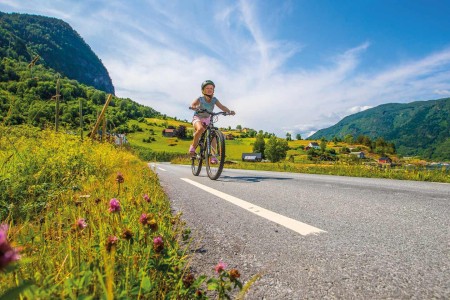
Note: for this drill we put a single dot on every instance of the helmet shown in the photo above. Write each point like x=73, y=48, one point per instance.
x=207, y=82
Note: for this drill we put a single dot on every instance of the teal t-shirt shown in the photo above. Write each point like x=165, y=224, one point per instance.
x=205, y=105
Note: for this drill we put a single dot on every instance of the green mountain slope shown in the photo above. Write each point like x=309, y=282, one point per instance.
x=26, y=99
x=419, y=128
x=23, y=36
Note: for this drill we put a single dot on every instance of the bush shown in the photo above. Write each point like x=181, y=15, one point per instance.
x=276, y=149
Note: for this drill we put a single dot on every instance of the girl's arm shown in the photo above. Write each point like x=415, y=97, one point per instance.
x=224, y=108
x=195, y=103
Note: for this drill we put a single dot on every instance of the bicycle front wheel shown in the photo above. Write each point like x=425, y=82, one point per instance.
x=215, y=154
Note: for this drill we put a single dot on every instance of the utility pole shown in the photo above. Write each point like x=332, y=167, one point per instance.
x=100, y=117
x=81, y=118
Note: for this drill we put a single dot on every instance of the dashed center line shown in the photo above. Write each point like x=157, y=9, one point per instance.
x=297, y=226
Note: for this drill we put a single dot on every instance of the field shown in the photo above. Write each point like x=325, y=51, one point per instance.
x=296, y=158
x=88, y=220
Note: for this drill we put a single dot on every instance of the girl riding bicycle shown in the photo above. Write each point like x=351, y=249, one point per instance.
x=200, y=120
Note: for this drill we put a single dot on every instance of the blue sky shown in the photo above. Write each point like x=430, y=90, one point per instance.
x=283, y=66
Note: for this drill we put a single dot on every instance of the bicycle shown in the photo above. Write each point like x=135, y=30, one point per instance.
x=211, y=144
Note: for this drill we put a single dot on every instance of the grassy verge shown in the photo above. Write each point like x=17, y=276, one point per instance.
x=91, y=222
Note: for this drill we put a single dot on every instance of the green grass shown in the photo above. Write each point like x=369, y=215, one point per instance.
x=56, y=195
x=235, y=148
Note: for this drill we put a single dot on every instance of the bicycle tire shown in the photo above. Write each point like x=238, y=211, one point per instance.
x=216, y=149
x=197, y=162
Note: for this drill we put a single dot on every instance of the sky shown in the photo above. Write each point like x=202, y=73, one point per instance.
x=283, y=66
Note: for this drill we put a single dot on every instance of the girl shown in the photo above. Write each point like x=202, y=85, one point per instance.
x=207, y=101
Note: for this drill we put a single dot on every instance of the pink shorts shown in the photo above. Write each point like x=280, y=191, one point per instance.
x=198, y=119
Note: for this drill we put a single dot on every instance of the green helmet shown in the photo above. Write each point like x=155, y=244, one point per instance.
x=207, y=82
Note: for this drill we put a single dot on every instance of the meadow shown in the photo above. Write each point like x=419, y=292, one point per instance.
x=175, y=150
x=89, y=220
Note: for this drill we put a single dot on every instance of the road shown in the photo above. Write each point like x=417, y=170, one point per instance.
x=318, y=236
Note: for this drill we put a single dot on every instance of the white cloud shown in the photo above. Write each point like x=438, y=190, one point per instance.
x=357, y=109
x=442, y=92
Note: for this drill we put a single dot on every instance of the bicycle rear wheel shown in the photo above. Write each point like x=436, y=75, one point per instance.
x=196, y=162
x=215, y=154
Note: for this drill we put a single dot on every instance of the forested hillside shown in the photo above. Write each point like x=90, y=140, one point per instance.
x=34, y=52
x=419, y=128
x=23, y=37
x=26, y=98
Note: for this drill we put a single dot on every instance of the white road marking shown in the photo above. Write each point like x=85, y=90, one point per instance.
x=161, y=169
x=299, y=227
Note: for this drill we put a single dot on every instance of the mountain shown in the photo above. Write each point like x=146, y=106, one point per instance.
x=28, y=85
x=418, y=128
x=23, y=37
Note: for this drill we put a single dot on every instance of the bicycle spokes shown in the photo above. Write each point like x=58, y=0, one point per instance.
x=215, y=155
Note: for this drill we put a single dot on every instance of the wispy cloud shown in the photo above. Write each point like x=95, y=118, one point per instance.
x=158, y=55
x=442, y=92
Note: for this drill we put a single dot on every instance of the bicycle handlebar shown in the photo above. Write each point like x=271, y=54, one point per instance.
x=209, y=112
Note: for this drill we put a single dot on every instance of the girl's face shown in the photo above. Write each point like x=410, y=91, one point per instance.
x=208, y=90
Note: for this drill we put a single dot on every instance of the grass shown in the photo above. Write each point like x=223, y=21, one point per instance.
x=300, y=164
x=91, y=222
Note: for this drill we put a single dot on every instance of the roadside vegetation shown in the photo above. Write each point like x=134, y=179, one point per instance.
x=335, y=157
x=88, y=220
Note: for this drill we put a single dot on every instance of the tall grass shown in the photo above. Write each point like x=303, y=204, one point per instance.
x=92, y=222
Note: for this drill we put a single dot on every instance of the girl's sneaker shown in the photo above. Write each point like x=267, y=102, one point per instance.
x=192, y=150
x=213, y=160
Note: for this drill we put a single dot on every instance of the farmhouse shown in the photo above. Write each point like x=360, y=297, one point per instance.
x=251, y=156
x=120, y=139
x=313, y=145
x=358, y=154
x=384, y=160
x=168, y=132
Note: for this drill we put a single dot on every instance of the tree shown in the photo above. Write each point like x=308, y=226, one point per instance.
x=288, y=136
x=298, y=136
x=276, y=149
x=260, y=145
x=348, y=139
x=239, y=127
x=180, y=132
x=323, y=145
x=344, y=150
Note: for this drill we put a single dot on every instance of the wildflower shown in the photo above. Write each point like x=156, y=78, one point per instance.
x=114, y=205
x=188, y=280
x=80, y=224
x=127, y=234
x=220, y=267
x=234, y=274
x=146, y=198
x=143, y=219
x=158, y=244
x=8, y=254
x=111, y=242
x=153, y=225
x=119, y=178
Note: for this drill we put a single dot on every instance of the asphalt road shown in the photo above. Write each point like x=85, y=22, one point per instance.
x=367, y=238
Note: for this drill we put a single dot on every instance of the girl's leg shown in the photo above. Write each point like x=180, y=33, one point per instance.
x=199, y=129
